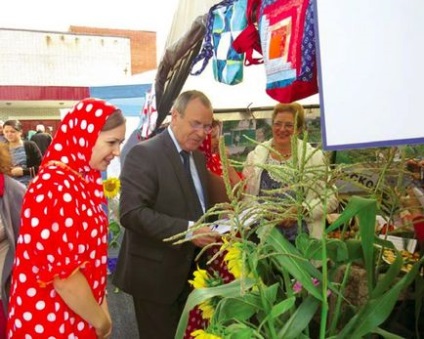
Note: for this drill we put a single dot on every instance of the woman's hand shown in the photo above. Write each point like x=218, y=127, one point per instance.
x=105, y=331
x=77, y=294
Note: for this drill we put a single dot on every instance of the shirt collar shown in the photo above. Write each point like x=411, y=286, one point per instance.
x=177, y=145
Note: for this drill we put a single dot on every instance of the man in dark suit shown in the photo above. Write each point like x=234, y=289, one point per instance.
x=158, y=200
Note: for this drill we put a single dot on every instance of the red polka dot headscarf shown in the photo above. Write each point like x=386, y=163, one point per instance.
x=73, y=143
x=78, y=133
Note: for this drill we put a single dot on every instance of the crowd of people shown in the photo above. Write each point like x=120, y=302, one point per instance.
x=53, y=225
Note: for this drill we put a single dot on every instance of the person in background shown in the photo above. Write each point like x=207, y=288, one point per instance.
x=11, y=196
x=59, y=275
x=210, y=147
x=2, y=137
x=29, y=134
x=42, y=139
x=157, y=202
x=26, y=156
x=413, y=212
x=288, y=122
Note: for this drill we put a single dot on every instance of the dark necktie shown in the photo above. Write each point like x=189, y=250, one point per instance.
x=186, y=161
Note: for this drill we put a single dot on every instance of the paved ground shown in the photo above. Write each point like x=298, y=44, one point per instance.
x=122, y=312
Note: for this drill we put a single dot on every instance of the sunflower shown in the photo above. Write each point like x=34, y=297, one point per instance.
x=201, y=334
x=233, y=258
x=111, y=187
x=202, y=279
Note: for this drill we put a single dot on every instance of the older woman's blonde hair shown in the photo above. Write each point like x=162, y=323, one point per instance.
x=5, y=159
x=294, y=108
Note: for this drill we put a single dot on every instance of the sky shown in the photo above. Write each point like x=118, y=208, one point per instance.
x=56, y=15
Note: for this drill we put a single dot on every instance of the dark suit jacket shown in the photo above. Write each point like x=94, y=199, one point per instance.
x=156, y=203
x=43, y=141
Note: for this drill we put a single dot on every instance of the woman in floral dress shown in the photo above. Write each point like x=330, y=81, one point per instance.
x=59, y=275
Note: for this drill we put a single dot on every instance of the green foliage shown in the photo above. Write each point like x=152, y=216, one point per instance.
x=262, y=303
x=115, y=232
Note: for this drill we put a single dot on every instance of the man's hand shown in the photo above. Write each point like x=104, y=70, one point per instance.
x=204, y=236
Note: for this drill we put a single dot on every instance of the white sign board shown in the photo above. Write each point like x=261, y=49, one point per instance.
x=371, y=72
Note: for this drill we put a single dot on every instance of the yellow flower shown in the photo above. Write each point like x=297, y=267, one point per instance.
x=111, y=187
x=201, y=334
x=201, y=278
x=207, y=309
x=233, y=258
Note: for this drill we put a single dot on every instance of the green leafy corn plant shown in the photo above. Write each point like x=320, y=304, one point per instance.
x=264, y=302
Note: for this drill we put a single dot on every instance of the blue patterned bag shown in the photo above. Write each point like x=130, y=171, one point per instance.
x=226, y=20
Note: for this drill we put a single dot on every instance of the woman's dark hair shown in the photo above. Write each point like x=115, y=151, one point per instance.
x=116, y=119
x=15, y=124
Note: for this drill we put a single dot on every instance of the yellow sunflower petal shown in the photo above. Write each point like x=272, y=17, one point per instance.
x=201, y=334
x=111, y=187
x=234, y=258
x=207, y=309
x=200, y=278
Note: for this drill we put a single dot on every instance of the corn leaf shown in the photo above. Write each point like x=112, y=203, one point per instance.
x=365, y=210
x=292, y=261
x=197, y=296
x=386, y=280
x=377, y=310
x=239, y=331
x=300, y=319
x=312, y=248
x=239, y=309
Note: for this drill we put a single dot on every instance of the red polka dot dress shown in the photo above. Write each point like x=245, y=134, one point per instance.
x=63, y=229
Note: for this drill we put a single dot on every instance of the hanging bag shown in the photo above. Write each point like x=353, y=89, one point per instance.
x=248, y=41
x=288, y=45
x=225, y=22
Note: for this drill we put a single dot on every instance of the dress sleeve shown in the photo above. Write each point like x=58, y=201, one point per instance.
x=322, y=190
x=56, y=232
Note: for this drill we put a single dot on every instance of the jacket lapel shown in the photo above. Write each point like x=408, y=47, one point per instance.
x=178, y=168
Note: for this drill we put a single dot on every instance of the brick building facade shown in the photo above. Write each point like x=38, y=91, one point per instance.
x=143, y=45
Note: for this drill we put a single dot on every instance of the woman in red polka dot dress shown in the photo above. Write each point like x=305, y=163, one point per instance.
x=59, y=275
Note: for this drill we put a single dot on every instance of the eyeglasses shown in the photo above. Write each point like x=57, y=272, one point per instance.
x=279, y=124
x=199, y=126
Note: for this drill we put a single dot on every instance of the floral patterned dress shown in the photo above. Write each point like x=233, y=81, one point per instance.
x=64, y=229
